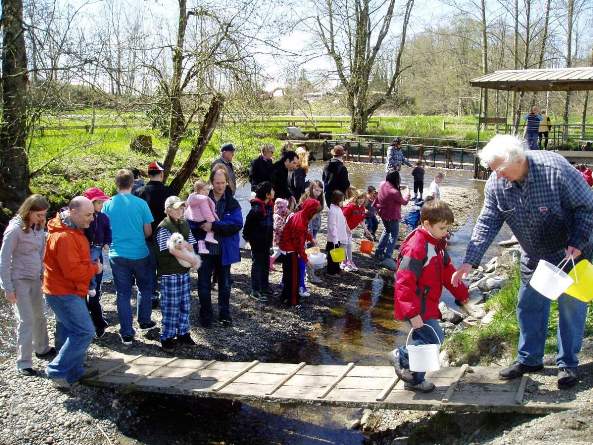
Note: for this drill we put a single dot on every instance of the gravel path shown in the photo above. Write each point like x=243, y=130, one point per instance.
x=33, y=412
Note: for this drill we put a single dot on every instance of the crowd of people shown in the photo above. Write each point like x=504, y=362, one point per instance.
x=154, y=239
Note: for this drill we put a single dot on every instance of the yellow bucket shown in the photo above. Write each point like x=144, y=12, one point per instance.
x=338, y=254
x=582, y=274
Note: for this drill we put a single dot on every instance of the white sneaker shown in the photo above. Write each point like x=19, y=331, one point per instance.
x=348, y=268
x=353, y=266
x=304, y=292
x=92, y=293
x=343, y=265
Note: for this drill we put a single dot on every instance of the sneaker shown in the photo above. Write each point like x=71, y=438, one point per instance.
x=27, y=372
x=348, y=268
x=100, y=332
x=256, y=295
x=517, y=370
x=186, y=340
x=127, y=339
x=567, y=378
x=168, y=344
x=61, y=384
x=92, y=293
x=48, y=355
x=353, y=266
x=424, y=386
x=303, y=292
x=155, y=303
x=403, y=373
x=146, y=326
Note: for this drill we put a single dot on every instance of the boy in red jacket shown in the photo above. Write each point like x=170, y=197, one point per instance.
x=424, y=267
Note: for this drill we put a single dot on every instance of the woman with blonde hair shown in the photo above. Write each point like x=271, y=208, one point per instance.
x=21, y=264
x=299, y=176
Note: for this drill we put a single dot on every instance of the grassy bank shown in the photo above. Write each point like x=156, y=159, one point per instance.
x=489, y=343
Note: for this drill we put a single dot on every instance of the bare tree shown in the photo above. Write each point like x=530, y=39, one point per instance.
x=569, y=27
x=346, y=30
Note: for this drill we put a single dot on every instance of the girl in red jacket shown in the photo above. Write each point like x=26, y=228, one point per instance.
x=424, y=267
x=292, y=245
x=354, y=212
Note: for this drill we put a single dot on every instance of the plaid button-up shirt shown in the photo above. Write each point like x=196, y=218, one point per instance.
x=395, y=159
x=549, y=211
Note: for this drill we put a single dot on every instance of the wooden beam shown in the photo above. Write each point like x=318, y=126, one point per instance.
x=236, y=376
x=300, y=366
x=521, y=390
x=142, y=377
x=115, y=368
x=453, y=385
x=383, y=394
x=335, y=382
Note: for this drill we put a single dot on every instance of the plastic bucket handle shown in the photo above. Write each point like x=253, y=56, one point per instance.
x=413, y=329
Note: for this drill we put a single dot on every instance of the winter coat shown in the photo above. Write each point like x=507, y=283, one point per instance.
x=67, y=262
x=99, y=231
x=296, y=231
x=281, y=213
x=155, y=193
x=298, y=183
x=280, y=181
x=335, y=177
x=424, y=267
x=259, y=226
x=354, y=214
x=21, y=255
x=260, y=171
x=337, y=228
x=389, y=202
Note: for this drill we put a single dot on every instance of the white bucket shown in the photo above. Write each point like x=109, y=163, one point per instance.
x=550, y=280
x=424, y=358
x=317, y=259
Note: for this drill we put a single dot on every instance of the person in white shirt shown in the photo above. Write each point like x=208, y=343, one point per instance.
x=434, y=190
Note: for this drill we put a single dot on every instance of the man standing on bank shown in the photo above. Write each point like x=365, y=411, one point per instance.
x=549, y=208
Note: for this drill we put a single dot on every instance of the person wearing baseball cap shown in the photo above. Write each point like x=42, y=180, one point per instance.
x=227, y=152
x=395, y=157
x=99, y=235
x=335, y=174
x=155, y=192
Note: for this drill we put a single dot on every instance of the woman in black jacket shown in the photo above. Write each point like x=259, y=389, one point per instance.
x=335, y=174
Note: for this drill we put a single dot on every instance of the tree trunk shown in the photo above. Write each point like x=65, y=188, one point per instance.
x=206, y=130
x=516, y=113
x=14, y=165
x=177, y=121
x=484, y=56
x=542, y=50
x=584, y=116
x=526, y=56
x=569, y=17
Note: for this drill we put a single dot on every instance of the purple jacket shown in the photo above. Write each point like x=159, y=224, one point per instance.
x=389, y=202
x=99, y=232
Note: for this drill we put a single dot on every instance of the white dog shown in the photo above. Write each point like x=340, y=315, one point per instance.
x=176, y=241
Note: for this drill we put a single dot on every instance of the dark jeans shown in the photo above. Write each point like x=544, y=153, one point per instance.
x=209, y=264
x=124, y=272
x=372, y=224
x=152, y=253
x=94, y=303
x=260, y=270
x=418, y=187
x=332, y=267
x=290, y=278
x=423, y=336
x=543, y=135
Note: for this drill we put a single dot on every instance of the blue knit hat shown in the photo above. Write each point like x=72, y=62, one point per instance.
x=227, y=147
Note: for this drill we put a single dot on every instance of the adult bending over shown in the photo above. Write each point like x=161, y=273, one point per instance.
x=549, y=208
x=21, y=267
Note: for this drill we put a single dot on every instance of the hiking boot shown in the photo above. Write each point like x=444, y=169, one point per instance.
x=403, y=373
x=61, y=384
x=89, y=373
x=517, y=370
x=147, y=326
x=168, y=344
x=100, y=332
x=567, y=378
x=127, y=339
x=186, y=340
x=424, y=386
x=27, y=372
x=48, y=355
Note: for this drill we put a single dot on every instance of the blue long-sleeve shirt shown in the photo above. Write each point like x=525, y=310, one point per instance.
x=395, y=159
x=549, y=211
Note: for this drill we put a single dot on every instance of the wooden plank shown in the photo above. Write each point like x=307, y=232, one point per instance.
x=453, y=385
x=383, y=394
x=247, y=389
x=521, y=390
x=311, y=381
x=372, y=371
x=235, y=376
x=201, y=367
x=148, y=374
x=325, y=370
x=338, y=379
x=276, y=368
x=286, y=379
x=376, y=384
x=115, y=367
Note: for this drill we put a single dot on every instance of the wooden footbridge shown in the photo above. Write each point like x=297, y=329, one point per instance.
x=457, y=389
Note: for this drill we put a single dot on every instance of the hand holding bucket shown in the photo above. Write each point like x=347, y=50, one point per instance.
x=424, y=358
x=550, y=280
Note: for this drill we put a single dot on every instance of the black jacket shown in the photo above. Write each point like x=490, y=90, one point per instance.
x=298, y=183
x=259, y=226
x=335, y=177
x=280, y=181
x=260, y=171
x=155, y=193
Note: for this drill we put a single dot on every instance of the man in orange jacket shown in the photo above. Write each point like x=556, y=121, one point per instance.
x=67, y=272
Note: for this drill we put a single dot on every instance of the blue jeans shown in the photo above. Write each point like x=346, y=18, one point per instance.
x=533, y=311
x=422, y=336
x=75, y=331
x=532, y=141
x=209, y=263
x=388, y=239
x=124, y=272
x=152, y=253
x=260, y=270
x=372, y=224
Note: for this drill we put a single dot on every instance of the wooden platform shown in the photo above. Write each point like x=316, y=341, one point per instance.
x=475, y=389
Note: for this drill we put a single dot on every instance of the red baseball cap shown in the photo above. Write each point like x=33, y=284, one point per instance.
x=95, y=194
x=156, y=166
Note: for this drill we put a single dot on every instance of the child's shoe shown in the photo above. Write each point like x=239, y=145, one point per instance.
x=202, y=250
x=92, y=292
x=168, y=344
x=348, y=266
x=186, y=340
x=403, y=373
x=424, y=386
x=210, y=238
x=312, y=277
x=272, y=261
x=353, y=266
x=343, y=265
x=303, y=292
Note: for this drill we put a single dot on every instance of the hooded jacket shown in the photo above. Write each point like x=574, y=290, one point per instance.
x=67, y=261
x=259, y=226
x=389, y=202
x=424, y=267
x=335, y=177
x=296, y=231
x=354, y=214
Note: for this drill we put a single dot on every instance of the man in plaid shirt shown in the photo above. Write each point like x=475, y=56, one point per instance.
x=395, y=157
x=549, y=208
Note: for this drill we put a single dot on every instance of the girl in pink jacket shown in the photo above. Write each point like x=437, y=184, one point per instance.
x=200, y=208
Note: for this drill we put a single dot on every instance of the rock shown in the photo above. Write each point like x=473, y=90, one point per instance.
x=49, y=439
x=364, y=420
x=143, y=144
x=476, y=296
x=354, y=425
x=491, y=265
x=444, y=358
x=509, y=257
x=495, y=283
x=487, y=319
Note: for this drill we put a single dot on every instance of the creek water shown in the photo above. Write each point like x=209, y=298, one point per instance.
x=361, y=331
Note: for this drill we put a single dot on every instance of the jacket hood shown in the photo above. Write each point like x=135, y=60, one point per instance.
x=425, y=234
x=260, y=204
x=280, y=206
x=61, y=223
x=310, y=207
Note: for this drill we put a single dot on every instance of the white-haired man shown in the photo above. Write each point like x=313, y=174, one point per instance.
x=549, y=208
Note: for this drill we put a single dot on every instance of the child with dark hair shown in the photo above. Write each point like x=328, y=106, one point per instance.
x=371, y=221
x=418, y=174
x=292, y=245
x=337, y=230
x=258, y=231
x=424, y=267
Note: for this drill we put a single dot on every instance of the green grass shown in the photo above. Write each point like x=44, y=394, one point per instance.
x=484, y=344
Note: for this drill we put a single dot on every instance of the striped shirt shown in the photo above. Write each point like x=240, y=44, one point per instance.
x=533, y=121
x=550, y=210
